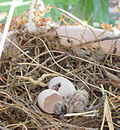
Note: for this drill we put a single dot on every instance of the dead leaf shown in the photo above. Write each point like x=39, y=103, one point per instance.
x=112, y=76
x=79, y=51
x=3, y=15
x=106, y=26
x=99, y=54
x=107, y=113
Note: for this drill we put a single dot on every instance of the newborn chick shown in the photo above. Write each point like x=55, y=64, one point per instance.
x=60, y=108
x=77, y=102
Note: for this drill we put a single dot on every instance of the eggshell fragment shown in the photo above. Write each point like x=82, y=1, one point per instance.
x=30, y=26
x=62, y=85
x=47, y=99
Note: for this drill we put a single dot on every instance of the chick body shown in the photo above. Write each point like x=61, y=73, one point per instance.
x=74, y=103
x=77, y=101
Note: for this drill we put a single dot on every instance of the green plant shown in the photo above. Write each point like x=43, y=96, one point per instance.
x=96, y=10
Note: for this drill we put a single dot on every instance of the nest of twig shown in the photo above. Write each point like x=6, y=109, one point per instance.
x=41, y=56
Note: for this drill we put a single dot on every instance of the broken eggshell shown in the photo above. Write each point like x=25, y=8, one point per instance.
x=64, y=86
x=30, y=26
x=47, y=99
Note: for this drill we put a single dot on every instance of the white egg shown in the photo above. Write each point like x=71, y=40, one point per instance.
x=47, y=99
x=64, y=86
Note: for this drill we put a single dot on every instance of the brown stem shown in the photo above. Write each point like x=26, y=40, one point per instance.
x=103, y=39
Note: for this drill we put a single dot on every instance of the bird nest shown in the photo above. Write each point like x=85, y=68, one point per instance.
x=27, y=66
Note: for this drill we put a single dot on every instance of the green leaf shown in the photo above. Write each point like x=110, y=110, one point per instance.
x=58, y=3
x=101, y=11
x=83, y=9
x=54, y=13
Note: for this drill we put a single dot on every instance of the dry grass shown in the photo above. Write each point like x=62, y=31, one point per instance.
x=27, y=68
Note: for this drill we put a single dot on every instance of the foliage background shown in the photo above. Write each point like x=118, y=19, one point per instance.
x=92, y=10
x=84, y=9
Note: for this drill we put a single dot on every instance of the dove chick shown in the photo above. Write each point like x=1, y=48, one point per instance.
x=60, y=108
x=74, y=103
x=77, y=102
